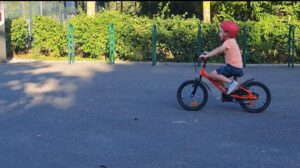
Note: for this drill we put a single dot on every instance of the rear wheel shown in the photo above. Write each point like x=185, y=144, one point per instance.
x=189, y=100
x=263, y=95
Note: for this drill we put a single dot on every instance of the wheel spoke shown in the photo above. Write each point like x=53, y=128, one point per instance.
x=262, y=94
x=194, y=102
x=261, y=102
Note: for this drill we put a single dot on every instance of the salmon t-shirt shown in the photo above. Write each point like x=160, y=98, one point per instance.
x=233, y=53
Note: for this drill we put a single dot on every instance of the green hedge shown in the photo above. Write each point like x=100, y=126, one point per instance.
x=177, y=37
x=132, y=35
x=16, y=36
x=268, y=40
x=49, y=36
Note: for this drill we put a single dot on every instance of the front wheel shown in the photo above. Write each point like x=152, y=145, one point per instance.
x=263, y=95
x=192, y=95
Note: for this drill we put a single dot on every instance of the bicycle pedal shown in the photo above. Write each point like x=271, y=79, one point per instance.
x=226, y=98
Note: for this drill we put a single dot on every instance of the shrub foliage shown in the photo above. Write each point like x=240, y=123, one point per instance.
x=176, y=37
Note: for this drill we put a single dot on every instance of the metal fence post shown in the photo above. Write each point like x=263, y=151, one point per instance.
x=199, y=42
x=153, y=45
x=71, y=45
x=111, y=43
x=291, y=45
x=245, y=45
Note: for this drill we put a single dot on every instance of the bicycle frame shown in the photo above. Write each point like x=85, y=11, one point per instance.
x=203, y=73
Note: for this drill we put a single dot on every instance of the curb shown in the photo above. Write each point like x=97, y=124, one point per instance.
x=139, y=62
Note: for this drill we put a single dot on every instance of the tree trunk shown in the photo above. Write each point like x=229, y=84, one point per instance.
x=91, y=8
x=121, y=6
x=206, y=11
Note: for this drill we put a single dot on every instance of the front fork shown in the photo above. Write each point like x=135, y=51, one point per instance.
x=194, y=87
x=197, y=81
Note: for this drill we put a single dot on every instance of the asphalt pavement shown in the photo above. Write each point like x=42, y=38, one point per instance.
x=126, y=115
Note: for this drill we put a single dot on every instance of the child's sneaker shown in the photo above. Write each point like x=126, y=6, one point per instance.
x=232, y=86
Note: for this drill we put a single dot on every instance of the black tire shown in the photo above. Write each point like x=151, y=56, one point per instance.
x=185, y=90
x=267, y=94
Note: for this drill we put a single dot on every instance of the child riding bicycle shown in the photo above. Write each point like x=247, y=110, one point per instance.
x=228, y=31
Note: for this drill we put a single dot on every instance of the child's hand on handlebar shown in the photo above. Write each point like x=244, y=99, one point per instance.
x=203, y=56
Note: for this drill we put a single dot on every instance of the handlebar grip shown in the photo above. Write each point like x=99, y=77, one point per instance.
x=201, y=59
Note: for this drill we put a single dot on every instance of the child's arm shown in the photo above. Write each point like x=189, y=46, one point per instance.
x=213, y=52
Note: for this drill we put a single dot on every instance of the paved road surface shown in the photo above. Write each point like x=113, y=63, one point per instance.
x=95, y=115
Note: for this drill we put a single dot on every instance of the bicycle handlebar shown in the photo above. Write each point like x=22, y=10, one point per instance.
x=201, y=60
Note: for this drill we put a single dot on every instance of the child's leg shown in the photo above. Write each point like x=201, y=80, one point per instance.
x=221, y=73
x=214, y=75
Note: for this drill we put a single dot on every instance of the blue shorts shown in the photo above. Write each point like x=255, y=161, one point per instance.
x=229, y=71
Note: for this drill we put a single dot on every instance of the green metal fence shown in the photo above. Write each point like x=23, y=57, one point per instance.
x=291, y=44
x=154, y=45
x=245, y=45
x=71, y=44
x=199, y=40
x=111, y=43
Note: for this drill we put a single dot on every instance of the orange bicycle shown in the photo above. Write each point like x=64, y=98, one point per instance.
x=253, y=96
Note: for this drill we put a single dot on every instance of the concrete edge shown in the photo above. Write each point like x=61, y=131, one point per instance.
x=136, y=62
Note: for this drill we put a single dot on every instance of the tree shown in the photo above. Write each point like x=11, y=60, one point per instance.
x=91, y=8
x=206, y=11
